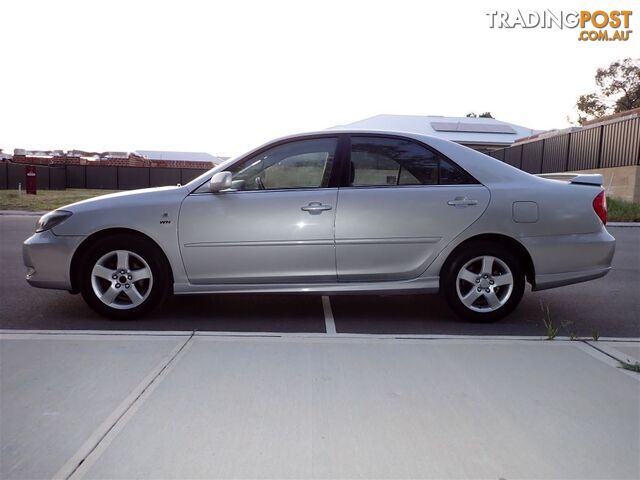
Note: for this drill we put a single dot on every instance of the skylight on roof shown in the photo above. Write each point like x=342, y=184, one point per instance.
x=472, y=127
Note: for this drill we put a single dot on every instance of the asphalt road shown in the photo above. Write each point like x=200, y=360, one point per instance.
x=609, y=306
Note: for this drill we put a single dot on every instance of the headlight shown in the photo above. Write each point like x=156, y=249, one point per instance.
x=52, y=219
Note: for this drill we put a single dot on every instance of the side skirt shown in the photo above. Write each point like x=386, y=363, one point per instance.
x=418, y=285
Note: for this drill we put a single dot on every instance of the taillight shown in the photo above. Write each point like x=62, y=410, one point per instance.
x=600, y=206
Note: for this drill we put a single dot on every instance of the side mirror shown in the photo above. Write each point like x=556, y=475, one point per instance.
x=220, y=181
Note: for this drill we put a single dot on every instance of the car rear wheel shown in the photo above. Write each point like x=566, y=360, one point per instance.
x=483, y=283
x=124, y=277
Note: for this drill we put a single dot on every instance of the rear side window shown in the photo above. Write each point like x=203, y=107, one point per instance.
x=451, y=174
x=379, y=161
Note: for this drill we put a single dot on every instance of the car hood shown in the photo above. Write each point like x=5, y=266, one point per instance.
x=127, y=197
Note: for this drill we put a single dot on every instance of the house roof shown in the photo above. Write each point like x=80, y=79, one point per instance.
x=465, y=130
x=179, y=156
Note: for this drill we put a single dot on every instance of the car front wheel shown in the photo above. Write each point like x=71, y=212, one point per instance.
x=123, y=277
x=483, y=283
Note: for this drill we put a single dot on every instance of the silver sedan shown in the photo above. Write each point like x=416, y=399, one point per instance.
x=328, y=213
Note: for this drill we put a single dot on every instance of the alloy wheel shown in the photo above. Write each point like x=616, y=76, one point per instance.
x=484, y=284
x=121, y=279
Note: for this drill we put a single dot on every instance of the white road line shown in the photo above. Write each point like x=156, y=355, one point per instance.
x=328, y=316
x=92, y=448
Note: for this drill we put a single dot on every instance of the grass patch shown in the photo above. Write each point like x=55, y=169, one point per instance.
x=622, y=210
x=45, y=200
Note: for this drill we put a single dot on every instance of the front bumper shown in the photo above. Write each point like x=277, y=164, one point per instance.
x=48, y=259
x=566, y=259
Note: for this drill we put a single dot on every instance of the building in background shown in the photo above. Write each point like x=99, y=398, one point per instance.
x=140, y=158
x=482, y=134
x=179, y=159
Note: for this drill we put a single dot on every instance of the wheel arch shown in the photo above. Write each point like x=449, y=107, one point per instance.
x=508, y=242
x=74, y=268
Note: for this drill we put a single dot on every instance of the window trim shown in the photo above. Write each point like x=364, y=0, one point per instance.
x=346, y=174
x=339, y=177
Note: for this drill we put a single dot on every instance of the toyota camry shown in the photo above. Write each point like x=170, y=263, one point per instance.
x=329, y=213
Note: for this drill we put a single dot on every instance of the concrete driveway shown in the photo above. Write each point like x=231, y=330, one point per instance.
x=609, y=306
x=180, y=405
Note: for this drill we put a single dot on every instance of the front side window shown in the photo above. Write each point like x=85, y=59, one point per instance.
x=298, y=164
x=378, y=161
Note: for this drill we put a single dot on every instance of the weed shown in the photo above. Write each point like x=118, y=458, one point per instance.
x=634, y=367
x=566, y=327
x=552, y=331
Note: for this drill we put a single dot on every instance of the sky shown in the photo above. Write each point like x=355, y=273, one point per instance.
x=225, y=76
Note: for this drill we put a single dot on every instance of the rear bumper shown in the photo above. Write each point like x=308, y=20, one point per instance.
x=566, y=259
x=48, y=259
x=553, y=280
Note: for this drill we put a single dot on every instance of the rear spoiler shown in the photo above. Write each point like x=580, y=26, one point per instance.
x=579, y=178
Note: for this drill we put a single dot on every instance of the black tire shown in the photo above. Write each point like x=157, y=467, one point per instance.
x=157, y=288
x=449, y=278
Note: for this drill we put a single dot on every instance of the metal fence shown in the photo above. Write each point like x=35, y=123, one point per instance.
x=95, y=176
x=611, y=145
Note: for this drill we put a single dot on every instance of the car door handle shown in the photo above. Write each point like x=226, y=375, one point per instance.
x=462, y=202
x=316, y=207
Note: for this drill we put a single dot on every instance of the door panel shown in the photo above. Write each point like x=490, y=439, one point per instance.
x=259, y=236
x=394, y=233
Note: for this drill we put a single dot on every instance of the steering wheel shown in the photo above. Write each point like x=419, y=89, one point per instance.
x=259, y=183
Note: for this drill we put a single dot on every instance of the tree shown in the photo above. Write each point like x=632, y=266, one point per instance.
x=482, y=115
x=618, y=91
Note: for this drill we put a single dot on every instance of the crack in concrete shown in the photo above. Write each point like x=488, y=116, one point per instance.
x=72, y=466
